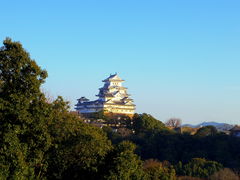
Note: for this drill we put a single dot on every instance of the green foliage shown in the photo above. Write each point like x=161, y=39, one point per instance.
x=123, y=164
x=19, y=73
x=199, y=167
x=206, y=131
x=183, y=147
x=40, y=138
x=155, y=170
x=98, y=115
x=24, y=137
x=79, y=149
x=146, y=122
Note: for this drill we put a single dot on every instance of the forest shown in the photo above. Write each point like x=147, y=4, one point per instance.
x=41, y=139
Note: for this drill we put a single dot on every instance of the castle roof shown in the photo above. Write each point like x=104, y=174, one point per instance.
x=90, y=102
x=83, y=99
x=113, y=77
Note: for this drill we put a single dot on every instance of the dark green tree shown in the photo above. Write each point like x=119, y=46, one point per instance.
x=146, y=122
x=123, y=164
x=78, y=150
x=206, y=131
x=38, y=138
x=24, y=137
x=199, y=167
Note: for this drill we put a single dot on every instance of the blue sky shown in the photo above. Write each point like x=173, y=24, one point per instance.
x=179, y=58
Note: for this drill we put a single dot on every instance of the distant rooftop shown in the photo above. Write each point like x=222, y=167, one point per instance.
x=235, y=128
x=113, y=77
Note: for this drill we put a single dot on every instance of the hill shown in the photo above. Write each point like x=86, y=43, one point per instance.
x=219, y=126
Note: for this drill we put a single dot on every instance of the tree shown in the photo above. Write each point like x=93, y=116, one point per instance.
x=199, y=167
x=39, y=138
x=145, y=122
x=78, y=150
x=174, y=122
x=158, y=170
x=206, y=131
x=24, y=138
x=122, y=163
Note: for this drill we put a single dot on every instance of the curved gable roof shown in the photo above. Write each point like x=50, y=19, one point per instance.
x=113, y=77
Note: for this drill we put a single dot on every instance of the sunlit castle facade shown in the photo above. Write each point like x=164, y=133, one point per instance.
x=112, y=98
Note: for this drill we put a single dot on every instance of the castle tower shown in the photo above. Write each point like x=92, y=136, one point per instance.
x=112, y=98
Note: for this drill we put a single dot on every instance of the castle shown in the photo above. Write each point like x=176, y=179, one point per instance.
x=112, y=98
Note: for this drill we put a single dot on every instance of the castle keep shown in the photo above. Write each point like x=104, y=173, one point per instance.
x=112, y=98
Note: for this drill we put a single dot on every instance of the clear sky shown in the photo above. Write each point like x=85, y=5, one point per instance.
x=179, y=58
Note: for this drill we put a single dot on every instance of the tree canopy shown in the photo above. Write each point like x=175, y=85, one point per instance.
x=39, y=138
x=24, y=137
x=146, y=122
x=206, y=131
x=199, y=167
x=123, y=164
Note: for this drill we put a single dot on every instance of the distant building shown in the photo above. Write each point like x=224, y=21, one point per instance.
x=112, y=98
x=235, y=131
